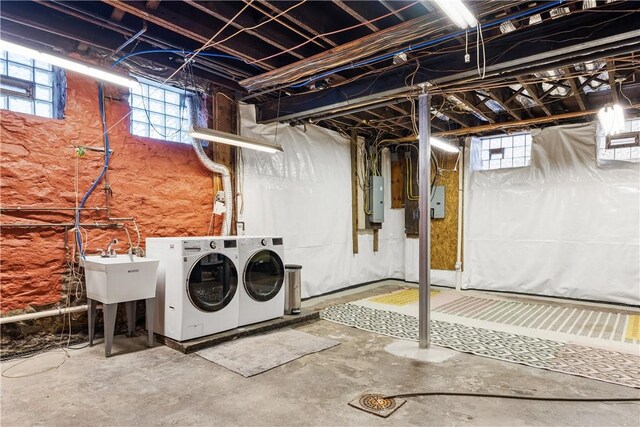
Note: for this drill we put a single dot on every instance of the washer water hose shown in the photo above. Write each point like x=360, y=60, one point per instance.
x=226, y=183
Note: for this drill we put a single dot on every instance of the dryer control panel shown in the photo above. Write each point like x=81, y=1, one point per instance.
x=191, y=247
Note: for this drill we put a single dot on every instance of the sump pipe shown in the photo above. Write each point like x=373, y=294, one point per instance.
x=41, y=314
x=226, y=183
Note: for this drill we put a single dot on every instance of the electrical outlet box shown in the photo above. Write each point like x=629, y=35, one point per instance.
x=376, y=199
x=437, y=202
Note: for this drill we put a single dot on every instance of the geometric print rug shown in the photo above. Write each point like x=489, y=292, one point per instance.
x=599, y=364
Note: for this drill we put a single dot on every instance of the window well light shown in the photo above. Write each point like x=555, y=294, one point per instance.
x=78, y=67
x=611, y=118
x=458, y=13
x=445, y=146
x=231, y=139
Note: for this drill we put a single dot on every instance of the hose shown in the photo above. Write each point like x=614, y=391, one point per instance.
x=226, y=183
x=516, y=397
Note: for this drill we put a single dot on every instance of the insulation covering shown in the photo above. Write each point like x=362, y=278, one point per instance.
x=561, y=227
x=304, y=195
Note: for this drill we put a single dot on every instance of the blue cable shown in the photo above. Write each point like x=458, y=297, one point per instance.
x=426, y=44
x=105, y=130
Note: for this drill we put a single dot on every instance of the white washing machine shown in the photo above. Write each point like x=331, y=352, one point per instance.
x=262, y=268
x=197, y=289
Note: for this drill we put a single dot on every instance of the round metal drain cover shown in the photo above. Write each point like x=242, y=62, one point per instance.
x=377, y=402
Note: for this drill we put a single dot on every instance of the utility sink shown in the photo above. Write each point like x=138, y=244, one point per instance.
x=119, y=279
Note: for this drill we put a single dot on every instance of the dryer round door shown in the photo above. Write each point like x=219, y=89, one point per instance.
x=263, y=275
x=212, y=282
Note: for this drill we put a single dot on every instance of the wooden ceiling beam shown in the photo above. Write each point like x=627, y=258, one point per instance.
x=222, y=12
x=187, y=28
x=532, y=90
x=483, y=111
x=575, y=90
x=500, y=97
x=611, y=70
x=292, y=17
x=342, y=5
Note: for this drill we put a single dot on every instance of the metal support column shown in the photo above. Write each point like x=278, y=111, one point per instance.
x=424, y=229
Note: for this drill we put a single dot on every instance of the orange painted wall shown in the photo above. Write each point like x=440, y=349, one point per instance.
x=161, y=184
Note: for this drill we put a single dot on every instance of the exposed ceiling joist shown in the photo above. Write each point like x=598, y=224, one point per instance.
x=546, y=46
x=195, y=31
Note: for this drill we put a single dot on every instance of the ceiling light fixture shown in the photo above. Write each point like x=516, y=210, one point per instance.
x=87, y=70
x=611, y=118
x=445, y=146
x=231, y=139
x=458, y=13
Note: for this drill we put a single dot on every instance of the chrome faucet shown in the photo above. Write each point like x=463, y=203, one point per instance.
x=110, y=252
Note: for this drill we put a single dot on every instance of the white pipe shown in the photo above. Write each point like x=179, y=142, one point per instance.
x=226, y=183
x=40, y=314
x=460, y=220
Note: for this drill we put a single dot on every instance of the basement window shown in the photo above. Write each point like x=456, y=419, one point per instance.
x=502, y=151
x=624, y=146
x=29, y=86
x=160, y=111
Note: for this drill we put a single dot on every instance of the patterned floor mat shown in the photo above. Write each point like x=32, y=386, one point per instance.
x=599, y=364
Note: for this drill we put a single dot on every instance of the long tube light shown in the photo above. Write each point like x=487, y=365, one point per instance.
x=438, y=143
x=458, y=13
x=77, y=67
x=231, y=139
x=611, y=119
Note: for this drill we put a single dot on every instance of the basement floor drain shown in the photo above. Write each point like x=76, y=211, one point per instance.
x=377, y=404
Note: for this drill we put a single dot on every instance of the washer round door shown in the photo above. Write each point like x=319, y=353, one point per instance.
x=264, y=275
x=212, y=282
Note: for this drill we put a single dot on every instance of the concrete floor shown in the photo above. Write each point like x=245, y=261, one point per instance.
x=140, y=386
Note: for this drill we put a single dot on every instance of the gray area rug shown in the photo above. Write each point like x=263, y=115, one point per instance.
x=255, y=355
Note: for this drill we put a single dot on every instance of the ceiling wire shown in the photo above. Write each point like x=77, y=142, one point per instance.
x=330, y=33
x=187, y=60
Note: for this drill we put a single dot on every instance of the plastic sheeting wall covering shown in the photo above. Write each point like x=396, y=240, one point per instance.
x=561, y=227
x=304, y=195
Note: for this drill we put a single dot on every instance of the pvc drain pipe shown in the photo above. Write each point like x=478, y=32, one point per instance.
x=40, y=314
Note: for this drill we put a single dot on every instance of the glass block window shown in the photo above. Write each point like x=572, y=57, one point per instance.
x=503, y=151
x=26, y=85
x=160, y=112
x=624, y=146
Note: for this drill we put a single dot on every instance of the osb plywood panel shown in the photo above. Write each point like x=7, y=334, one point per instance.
x=444, y=232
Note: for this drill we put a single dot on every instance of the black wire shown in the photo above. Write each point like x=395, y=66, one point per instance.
x=512, y=396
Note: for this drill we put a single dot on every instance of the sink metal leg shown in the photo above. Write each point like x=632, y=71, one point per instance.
x=131, y=317
x=150, y=304
x=91, y=318
x=110, y=311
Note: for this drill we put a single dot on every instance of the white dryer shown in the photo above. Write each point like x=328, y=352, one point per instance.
x=197, y=289
x=262, y=268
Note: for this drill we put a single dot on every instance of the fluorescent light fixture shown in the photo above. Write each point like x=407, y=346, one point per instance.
x=231, y=139
x=458, y=13
x=444, y=146
x=611, y=118
x=87, y=70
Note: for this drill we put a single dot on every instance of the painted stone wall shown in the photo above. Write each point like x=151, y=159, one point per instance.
x=161, y=184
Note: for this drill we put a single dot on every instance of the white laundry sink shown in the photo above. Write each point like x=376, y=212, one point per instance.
x=119, y=279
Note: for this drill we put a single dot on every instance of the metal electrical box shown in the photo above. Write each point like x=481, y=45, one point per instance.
x=376, y=199
x=437, y=202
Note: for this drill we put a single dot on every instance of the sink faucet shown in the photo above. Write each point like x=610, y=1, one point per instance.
x=110, y=252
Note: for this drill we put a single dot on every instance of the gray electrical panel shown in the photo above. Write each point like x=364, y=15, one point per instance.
x=437, y=202
x=376, y=199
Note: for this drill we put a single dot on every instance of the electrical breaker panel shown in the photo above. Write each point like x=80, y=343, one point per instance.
x=377, y=199
x=437, y=202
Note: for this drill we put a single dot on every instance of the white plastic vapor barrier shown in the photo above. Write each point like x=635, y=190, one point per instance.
x=304, y=195
x=561, y=227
